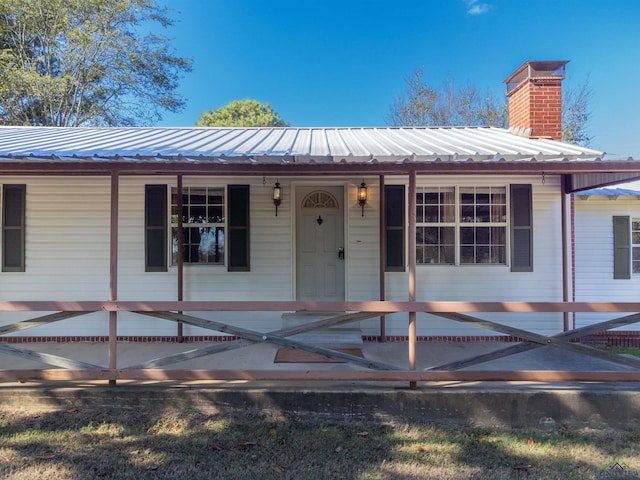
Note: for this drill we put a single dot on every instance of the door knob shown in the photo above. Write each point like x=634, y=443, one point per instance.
x=341, y=253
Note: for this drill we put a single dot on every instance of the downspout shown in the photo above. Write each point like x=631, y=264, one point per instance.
x=413, y=337
x=180, y=260
x=113, y=275
x=383, y=259
x=565, y=247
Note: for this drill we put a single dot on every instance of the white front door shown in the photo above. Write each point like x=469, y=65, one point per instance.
x=320, y=244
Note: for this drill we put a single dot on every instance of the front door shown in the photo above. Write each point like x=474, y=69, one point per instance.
x=320, y=244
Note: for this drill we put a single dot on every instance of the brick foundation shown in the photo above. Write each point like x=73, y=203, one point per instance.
x=630, y=339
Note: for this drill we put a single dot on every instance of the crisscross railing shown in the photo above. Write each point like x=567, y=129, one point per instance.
x=366, y=369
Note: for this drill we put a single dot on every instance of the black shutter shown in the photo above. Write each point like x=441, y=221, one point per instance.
x=621, y=248
x=238, y=224
x=394, y=225
x=156, y=229
x=13, y=228
x=521, y=228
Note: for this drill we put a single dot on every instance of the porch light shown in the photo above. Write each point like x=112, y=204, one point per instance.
x=362, y=196
x=277, y=196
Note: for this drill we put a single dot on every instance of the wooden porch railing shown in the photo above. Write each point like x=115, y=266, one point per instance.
x=68, y=369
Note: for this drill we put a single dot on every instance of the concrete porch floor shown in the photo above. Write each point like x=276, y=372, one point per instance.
x=497, y=404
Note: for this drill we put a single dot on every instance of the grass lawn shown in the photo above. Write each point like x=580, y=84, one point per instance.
x=142, y=444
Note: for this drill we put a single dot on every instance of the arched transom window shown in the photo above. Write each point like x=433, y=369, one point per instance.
x=320, y=199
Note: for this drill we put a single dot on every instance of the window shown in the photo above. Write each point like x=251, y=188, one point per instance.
x=461, y=225
x=13, y=228
x=435, y=225
x=485, y=240
x=203, y=226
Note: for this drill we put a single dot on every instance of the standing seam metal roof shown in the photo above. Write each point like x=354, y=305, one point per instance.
x=426, y=143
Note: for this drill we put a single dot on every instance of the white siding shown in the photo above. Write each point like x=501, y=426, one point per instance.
x=68, y=256
x=594, y=255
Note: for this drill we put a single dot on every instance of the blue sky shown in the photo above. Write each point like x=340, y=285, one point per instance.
x=342, y=62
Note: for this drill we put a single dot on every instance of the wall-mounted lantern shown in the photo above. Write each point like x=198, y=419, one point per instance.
x=277, y=196
x=362, y=196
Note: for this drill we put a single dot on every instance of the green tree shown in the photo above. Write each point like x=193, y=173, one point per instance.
x=86, y=62
x=242, y=113
x=423, y=105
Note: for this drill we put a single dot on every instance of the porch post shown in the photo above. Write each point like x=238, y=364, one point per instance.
x=383, y=259
x=565, y=255
x=180, y=260
x=113, y=274
x=413, y=338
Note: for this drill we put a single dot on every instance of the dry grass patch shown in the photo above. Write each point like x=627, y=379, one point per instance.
x=144, y=444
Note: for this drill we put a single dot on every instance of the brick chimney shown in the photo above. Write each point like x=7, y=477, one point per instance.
x=534, y=93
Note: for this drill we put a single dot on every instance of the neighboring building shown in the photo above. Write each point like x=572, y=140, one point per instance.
x=488, y=205
x=607, y=251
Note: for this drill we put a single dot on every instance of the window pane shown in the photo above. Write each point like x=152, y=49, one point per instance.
x=498, y=235
x=467, y=255
x=482, y=213
x=482, y=254
x=448, y=255
x=467, y=214
x=466, y=196
x=198, y=196
x=482, y=236
x=635, y=264
x=467, y=236
x=431, y=235
x=498, y=255
x=216, y=214
x=431, y=214
x=498, y=213
x=482, y=196
x=431, y=255
x=197, y=214
x=448, y=213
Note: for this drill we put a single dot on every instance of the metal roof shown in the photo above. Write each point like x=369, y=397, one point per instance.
x=609, y=192
x=267, y=145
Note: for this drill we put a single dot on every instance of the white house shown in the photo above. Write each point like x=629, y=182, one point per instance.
x=297, y=214
x=607, y=252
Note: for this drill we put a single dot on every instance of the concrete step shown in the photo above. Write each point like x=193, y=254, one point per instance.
x=339, y=336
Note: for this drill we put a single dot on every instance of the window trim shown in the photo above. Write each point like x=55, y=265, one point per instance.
x=457, y=224
x=186, y=225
